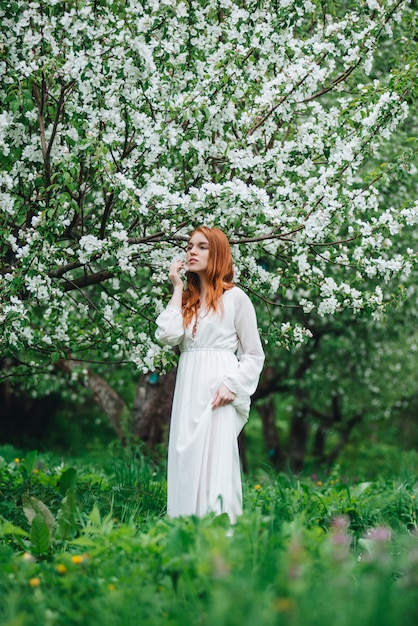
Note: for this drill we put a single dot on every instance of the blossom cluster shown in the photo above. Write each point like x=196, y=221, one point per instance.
x=126, y=126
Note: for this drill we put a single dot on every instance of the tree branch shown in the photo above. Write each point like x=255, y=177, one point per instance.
x=89, y=279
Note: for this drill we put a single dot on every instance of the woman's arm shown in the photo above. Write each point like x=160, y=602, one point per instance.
x=175, y=278
x=244, y=379
x=170, y=327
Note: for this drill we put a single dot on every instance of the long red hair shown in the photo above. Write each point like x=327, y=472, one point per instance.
x=219, y=275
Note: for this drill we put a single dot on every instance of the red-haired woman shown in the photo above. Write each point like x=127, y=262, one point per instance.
x=213, y=322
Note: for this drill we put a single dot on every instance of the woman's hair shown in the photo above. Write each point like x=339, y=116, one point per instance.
x=219, y=274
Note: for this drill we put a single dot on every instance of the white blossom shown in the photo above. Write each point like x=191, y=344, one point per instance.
x=171, y=117
x=88, y=245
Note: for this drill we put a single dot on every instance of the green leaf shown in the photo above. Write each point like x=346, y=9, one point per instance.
x=83, y=541
x=68, y=480
x=367, y=544
x=40, y=535
x=30, y=460
x=7, y=528
x=55, y=356
x=221, y=521
x=94, y=516
x=33, y=507
x=67, y=516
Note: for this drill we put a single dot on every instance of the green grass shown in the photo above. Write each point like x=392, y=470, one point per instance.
x=87, y=542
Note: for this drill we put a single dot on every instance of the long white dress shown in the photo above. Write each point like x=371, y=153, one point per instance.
x=203, y=460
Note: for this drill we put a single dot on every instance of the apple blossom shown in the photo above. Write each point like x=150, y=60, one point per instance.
x=124, y=126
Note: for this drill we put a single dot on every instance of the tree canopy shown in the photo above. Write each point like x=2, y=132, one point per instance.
x=125, y=125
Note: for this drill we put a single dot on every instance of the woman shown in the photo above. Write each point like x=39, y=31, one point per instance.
x=221, y=357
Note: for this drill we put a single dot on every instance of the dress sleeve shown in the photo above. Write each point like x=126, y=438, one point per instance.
x=170, y=327
x=244, y=379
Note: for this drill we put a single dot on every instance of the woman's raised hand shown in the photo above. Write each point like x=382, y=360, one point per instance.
x=174, y=273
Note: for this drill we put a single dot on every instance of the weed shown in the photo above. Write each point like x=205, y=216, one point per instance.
x=89, y=543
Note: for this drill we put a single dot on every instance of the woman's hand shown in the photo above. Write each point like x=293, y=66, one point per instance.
x=222, y=397
x=173, y=273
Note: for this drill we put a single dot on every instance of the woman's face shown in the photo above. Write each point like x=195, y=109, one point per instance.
x=197, y=253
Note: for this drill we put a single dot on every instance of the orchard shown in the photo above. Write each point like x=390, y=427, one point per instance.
x=291, y=125
x=124, y=125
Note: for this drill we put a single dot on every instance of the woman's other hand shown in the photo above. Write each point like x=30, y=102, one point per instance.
x=222, y=397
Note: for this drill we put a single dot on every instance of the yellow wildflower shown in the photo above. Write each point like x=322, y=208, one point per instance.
x=283, y=604
x=17, y=460
x=257, y=487
x=35, y=582
x=61, y=569
x=77, y=558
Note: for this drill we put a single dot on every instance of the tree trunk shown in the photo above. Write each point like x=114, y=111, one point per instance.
x=318, y=451
x=271, y=436
x=344, y=437
x=152, y=407
x=298, y=439
x=104, y=395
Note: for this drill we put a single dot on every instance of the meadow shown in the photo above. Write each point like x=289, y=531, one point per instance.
x=87, y=542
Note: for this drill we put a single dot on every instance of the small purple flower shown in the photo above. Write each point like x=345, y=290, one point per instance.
x=381, y=533
x=340, y=522
x=339, y=527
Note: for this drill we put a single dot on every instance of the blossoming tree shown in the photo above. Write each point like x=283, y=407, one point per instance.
x=124, y=125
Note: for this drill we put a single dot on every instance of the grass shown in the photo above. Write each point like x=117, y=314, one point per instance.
x=87, y=542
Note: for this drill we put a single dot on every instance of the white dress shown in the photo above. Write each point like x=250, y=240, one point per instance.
x=203, y=460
